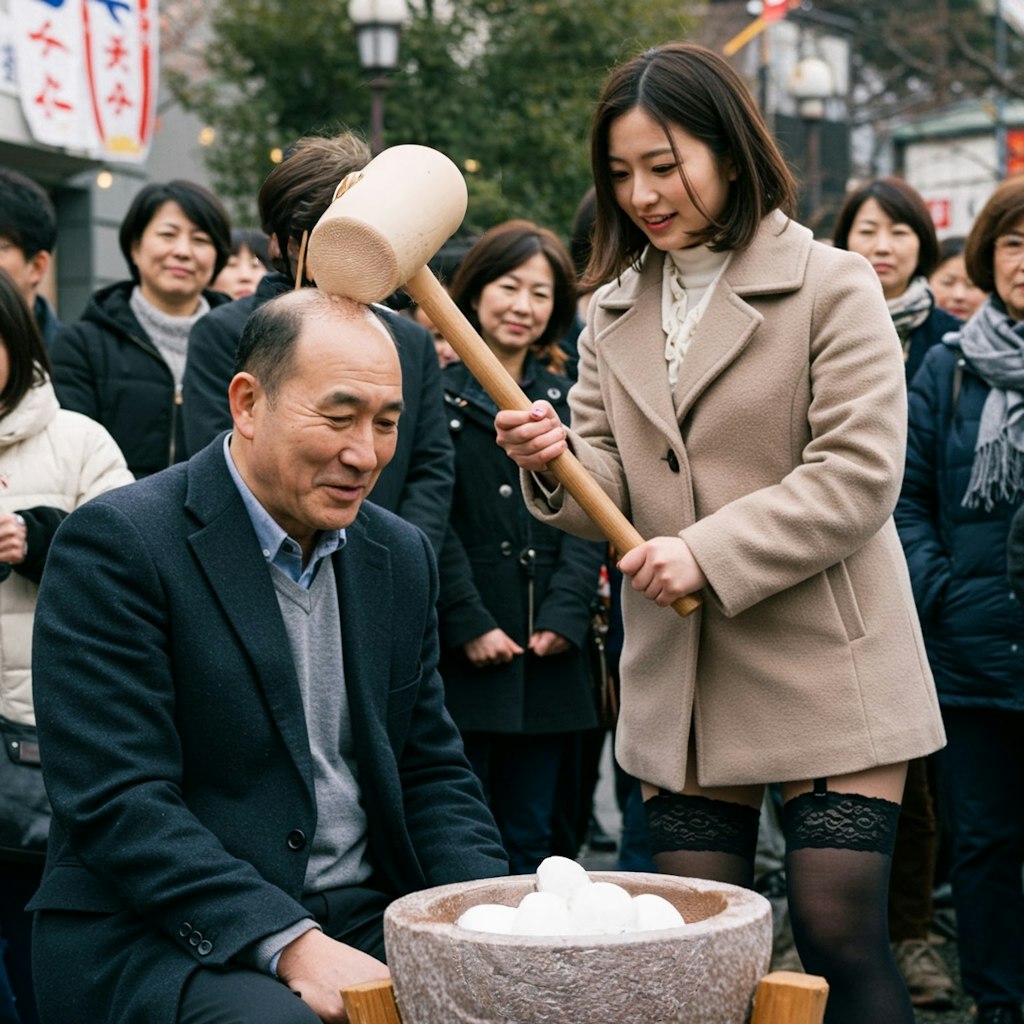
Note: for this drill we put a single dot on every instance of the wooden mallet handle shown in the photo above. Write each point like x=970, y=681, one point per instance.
x=378, y=235
x=428, y=292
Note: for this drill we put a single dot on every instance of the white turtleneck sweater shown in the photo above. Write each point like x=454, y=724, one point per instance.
x=688, y=283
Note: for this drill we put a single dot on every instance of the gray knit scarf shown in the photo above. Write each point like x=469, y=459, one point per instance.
x=994, y=344
x=911, y=309
x=168, y=333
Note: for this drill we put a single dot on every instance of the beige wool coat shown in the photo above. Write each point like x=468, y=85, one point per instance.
x=778, y=459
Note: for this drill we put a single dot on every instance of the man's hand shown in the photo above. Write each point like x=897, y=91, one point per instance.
x=13, y=538
x=318, y=967
x=495, y=647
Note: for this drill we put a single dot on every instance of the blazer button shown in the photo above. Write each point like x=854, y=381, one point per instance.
x=205, y=948
x=506, y=547
x=296, y=839
x=195, y=938
x=505, y=491
x=673, y=462
x=185, y=930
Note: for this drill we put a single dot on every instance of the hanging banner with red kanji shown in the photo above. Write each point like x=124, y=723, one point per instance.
x=48, y=66
x=86, y=72
x=121, y=46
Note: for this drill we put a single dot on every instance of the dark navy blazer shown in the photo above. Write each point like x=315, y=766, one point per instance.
x=175, y=747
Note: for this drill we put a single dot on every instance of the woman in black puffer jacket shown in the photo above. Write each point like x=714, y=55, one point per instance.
x=122, y=363
x=964, y=482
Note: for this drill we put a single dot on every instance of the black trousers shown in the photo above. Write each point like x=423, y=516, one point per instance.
x=982, y=773
x=353, y=915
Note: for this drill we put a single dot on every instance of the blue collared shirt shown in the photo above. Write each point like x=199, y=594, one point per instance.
x=278, y=548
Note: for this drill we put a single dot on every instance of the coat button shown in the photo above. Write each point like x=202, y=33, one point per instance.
x=673, y=462
x=554, y=394
x=195, y=938
x=505, y=491
x=296, y=839
x=185, y=930
x=205, y=948
x=455, y=424
x=506, y=547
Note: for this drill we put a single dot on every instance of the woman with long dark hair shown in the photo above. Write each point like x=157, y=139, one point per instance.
x=741, y=398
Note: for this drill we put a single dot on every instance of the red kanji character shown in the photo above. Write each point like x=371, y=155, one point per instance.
x=48, y=98
x=50, y=42
x=119, y=99
x=116, y=52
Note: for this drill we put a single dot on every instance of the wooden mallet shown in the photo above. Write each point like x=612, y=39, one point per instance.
x=385, y=223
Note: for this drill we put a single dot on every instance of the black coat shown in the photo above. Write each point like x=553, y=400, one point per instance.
x=486, y=576
x=106, y=367
x=973, y=623
x=176, y=750
x=416, y=484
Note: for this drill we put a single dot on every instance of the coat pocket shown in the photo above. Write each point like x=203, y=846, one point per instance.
x=845, y=598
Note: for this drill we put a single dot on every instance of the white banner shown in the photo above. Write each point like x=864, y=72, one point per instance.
x=121, y=47
x=48, y=53
x=86, y=72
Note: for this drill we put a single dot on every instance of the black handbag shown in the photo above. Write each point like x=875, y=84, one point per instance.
x=24, y=807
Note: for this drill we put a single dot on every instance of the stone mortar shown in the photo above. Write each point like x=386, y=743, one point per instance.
x=705, y=973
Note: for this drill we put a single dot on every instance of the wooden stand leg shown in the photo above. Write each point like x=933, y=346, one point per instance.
x=785, y=997
x=372, y=1002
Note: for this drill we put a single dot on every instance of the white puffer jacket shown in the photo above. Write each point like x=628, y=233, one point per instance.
x=48, y=457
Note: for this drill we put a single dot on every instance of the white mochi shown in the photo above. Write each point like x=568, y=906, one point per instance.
x=654, y=912
x=561, y=876
x=602, y=908
x=488, y=917
x=541, y=913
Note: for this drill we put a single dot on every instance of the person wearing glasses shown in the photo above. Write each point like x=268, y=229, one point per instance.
x=964, y=481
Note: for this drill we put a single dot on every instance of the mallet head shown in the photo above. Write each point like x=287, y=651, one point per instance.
x=386, y=222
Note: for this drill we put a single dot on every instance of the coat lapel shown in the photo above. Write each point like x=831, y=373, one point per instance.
x=228, y=552
x=722, y=334
x=633, y=345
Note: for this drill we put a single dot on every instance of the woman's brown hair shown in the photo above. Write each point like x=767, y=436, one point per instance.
x=689, y=87
x=903, y=204
x=1003, y=211
x=503, y=248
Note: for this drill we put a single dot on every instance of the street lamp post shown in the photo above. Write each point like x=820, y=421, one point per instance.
x=811, y=84
x=378, y=25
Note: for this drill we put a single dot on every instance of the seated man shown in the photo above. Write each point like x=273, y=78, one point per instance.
x=243, y=728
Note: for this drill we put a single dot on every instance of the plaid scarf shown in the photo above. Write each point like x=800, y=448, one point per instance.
x=995, y=346
x=911, y=309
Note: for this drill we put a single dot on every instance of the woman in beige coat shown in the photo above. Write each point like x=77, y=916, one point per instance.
x=741, y=398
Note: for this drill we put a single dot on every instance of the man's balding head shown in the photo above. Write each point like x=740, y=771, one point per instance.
x=267, y=344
